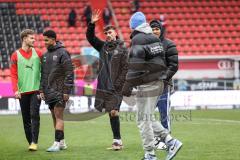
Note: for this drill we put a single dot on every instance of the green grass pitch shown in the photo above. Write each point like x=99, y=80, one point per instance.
x=206, y=135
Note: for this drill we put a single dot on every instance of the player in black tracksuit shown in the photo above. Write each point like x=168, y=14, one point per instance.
x=111, y=77
x=56, y=84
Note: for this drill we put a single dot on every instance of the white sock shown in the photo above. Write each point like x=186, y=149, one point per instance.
x=119, y=141
x=56, y=143
x=168, y=138
x=62, y=142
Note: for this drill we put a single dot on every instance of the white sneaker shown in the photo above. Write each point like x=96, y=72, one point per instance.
x=149, y=157
x=116, y=145
x=161, y=146
x=119, y=141
x=173, y=146
x=54, y=148
x=63, y=145
x=158, y=144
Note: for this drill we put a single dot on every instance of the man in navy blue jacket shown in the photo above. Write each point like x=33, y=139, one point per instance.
x=171, y=56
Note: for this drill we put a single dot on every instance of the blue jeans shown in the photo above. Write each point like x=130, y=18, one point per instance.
x=164, y=108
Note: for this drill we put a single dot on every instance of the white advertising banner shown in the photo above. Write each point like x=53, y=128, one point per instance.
x=76, y=104
x=189, y=99
x=179, y=100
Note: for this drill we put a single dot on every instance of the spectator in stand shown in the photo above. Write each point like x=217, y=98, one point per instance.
x=136, y=6
x=72, y=18
x=107, y=15
x=87, y=13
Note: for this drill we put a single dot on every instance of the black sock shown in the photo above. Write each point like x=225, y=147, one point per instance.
x=59, y=135
x=115, y=125
x=62, y=135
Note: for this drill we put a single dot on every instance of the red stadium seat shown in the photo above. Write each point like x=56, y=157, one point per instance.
x=20, y=11
x=55, y=24
x=43, y=11
x=35, y=5
x=7, y=79
x=49, y=5
x=19, y=5
x=65, y=37
x=1, y=73
x=126, y=30
x=7, y=72
x=189, y=23
x=63, y=24
x=75, y=44
x=71, y=30
x=1, y=78
x=27, y=5
x=52, y=17
x=63, y=30
x=81, y=36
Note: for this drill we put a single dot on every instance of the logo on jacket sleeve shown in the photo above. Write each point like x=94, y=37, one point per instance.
x=156, y=49
x=44, y=59
x=54, y=58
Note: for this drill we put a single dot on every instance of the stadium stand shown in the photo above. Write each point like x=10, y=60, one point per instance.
x=39, y=15
x=200, y=28
x=206, y=27
x=11, y=25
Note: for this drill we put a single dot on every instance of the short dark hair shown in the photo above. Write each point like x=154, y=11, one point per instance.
x=25, y=33
x=108, y=27
x=50, y=34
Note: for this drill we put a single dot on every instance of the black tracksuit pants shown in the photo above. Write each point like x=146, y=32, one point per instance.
x=30, y=105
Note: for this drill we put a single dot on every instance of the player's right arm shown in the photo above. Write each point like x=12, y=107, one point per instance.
x=14, y=75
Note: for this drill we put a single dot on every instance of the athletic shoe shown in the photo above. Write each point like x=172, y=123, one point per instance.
x=158, y=144
x=173, y=146
x=157, y=140
x=117, y=146
x=54, y=148
x=149, y=157
x=62, y=145
x=162, y=146
x=32, y=147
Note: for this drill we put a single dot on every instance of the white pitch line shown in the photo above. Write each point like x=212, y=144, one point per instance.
x=220, y=120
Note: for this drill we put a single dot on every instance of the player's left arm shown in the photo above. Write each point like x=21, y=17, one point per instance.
x=172, y=60
x=124, y=67
x=40, y=54
x=68, y=72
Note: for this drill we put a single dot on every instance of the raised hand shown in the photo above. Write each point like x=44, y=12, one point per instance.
x=96, y=15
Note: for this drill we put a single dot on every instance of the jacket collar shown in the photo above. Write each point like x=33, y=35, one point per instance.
x=143, y=28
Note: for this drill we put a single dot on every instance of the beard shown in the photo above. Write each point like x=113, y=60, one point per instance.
x=30, y=45
x=109, y=39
